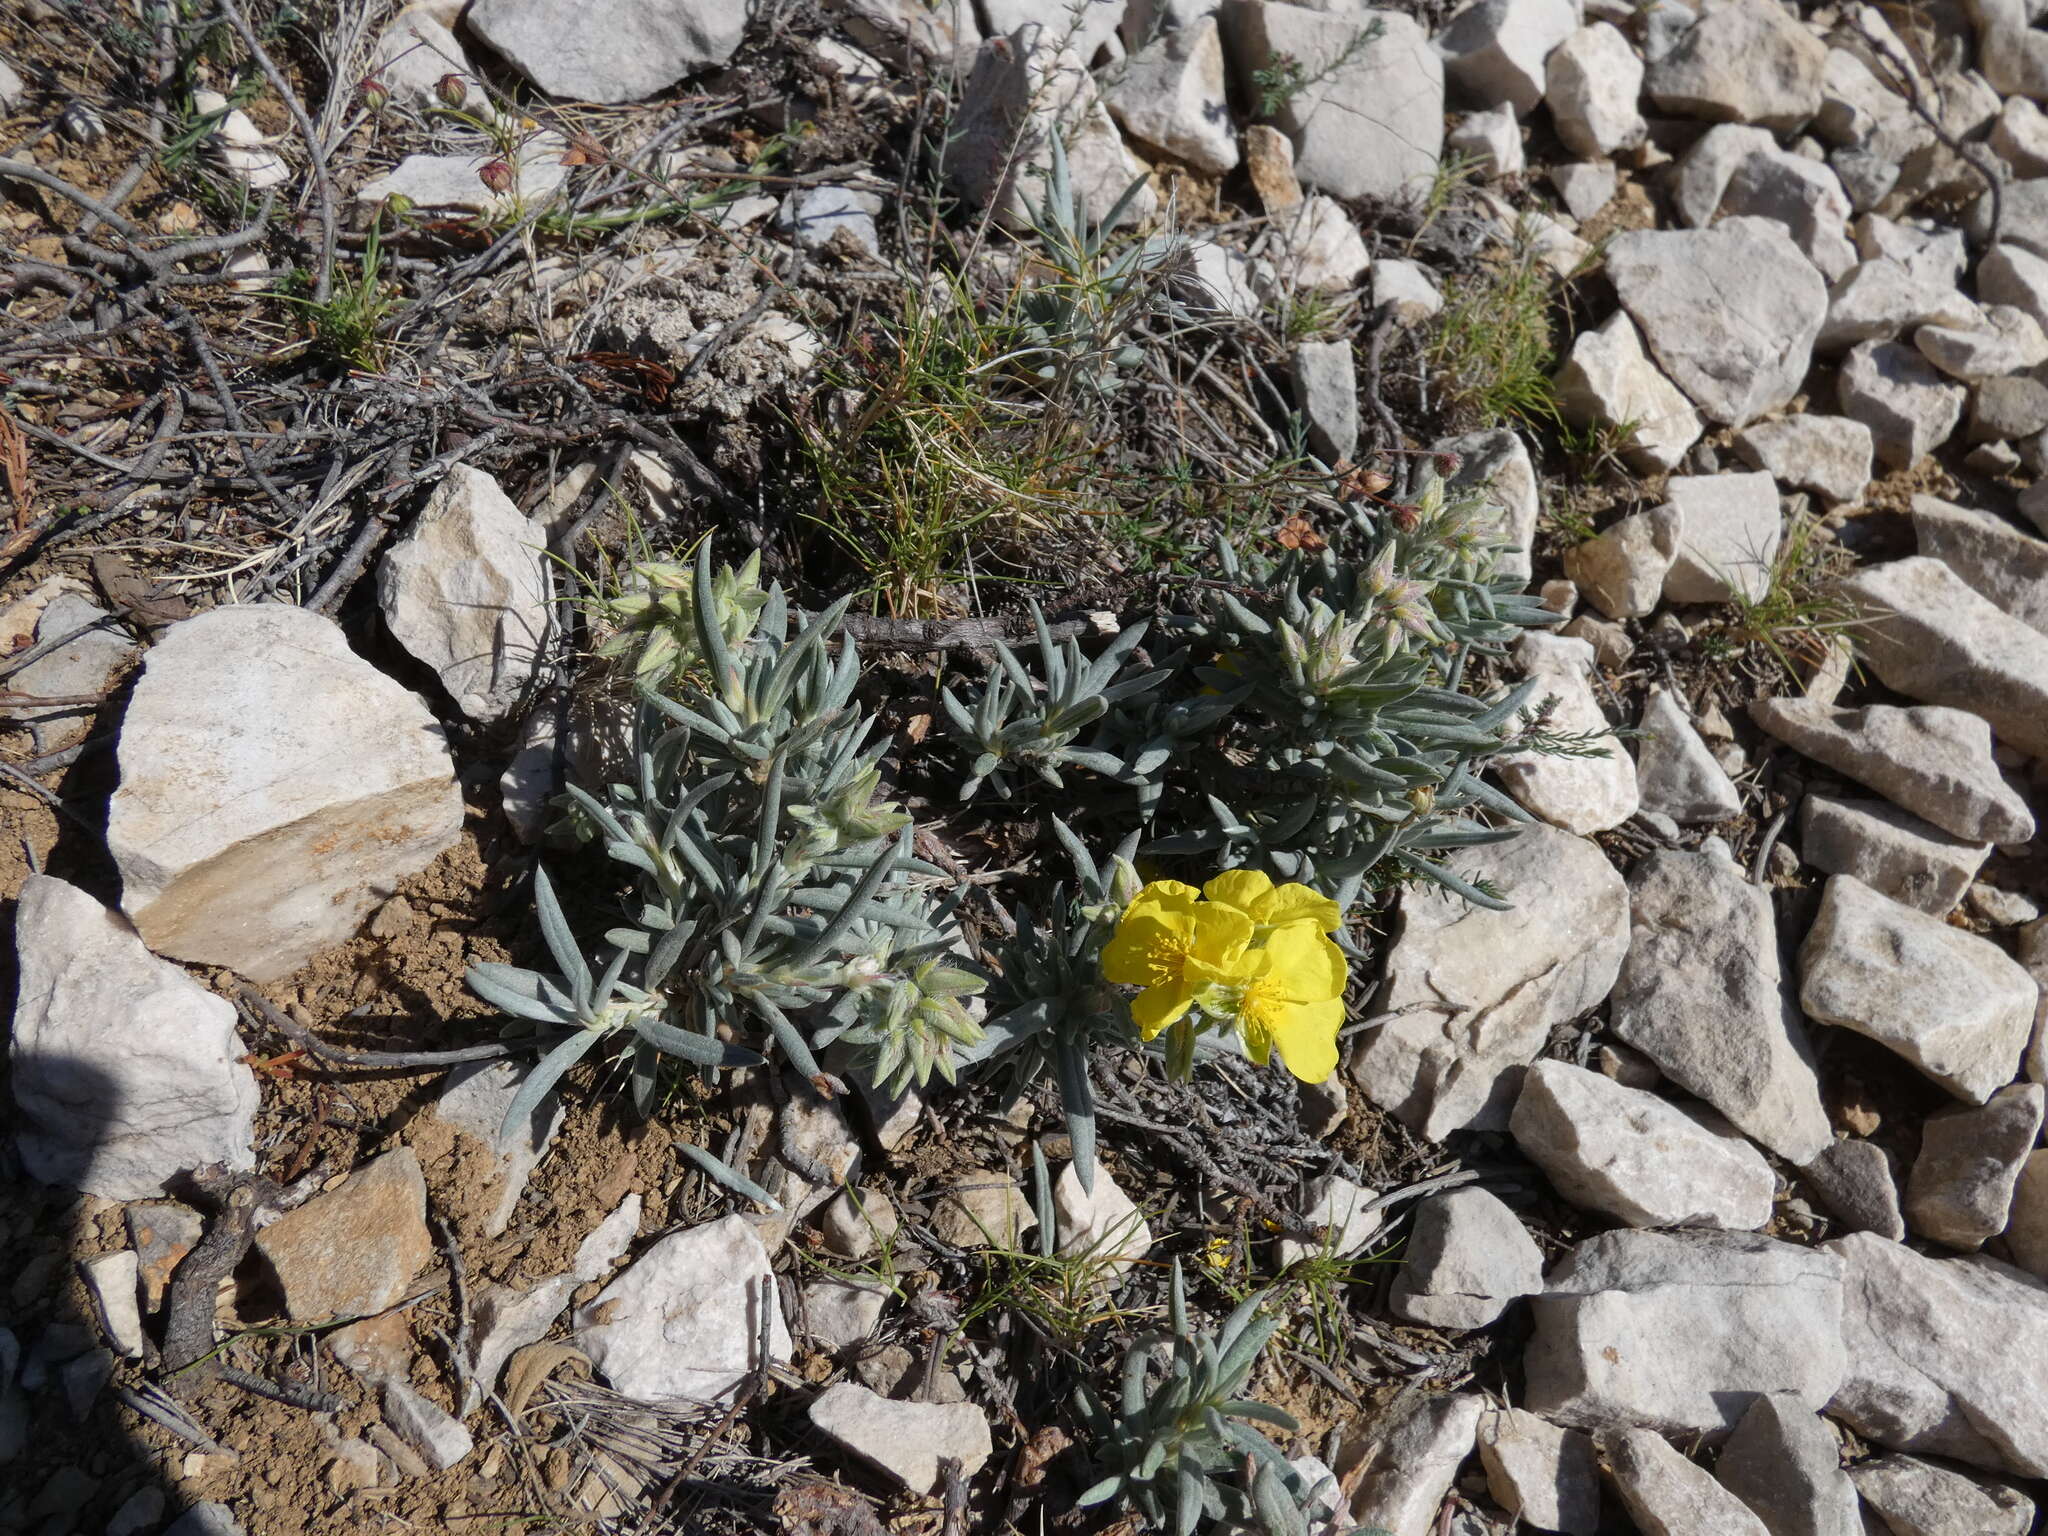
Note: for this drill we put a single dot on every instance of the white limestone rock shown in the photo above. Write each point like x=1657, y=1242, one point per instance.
x=1703, y=172
x=1670, y=1496
x=1622, y=569
x=2014, y=276
x=1580, y=794
x=2008, y=340
x=413, y=53
x=1326, y=394
x=1943, y=1355
x=1547, y=1476
x=431, y=1429
x=274, y=788
x=1910, y=407
x=1587, y=186
x=1316, y=246
x=1590, y=83
x=1785, y=1464
x=508, y=1320
x=684, y=1319
x=1496, y=467
x=1700, y=994
x=1399, y=1478
x=1681, y=1331
x=1079, y=26
x=815, y=216
x=1932, y=761
x=1495, y=49
x=1371, y=122
x=905, y=1440
x=1102, y=1223
x=126, y=1072
x=1467, y=1258
x=1801, y=194
x=1928, y=635
x=1911, y=1497
x=842, y=1314
x=1491, y=140
x=1730, y=527
x=1170, y=97
x=113, y=1279
x=1892, y=851
x=1746, y=61
x=1406, y=289
x=1730, y=313
x=1632, y=1156
x=1960, y=1191
x=610, y=50
x=85, y=665
x=2026, y=1233
x=1953, y=1004
x=1609, y=381
x=1881, y=300
x=1337, y=1221
x=454, y=182
x=1994, y=558
x=1502, y=980
x=466, y=592
x=1829, y=455
x=1676, y=771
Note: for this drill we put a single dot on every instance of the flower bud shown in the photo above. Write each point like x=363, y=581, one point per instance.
x=373, y=93
x=451, y=89
x=398, y=205
x=497, y=175
x=1447, y=464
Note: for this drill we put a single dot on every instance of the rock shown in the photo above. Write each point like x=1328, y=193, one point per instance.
x=111, y=1277
x=816, y=216
x=1829, y=455
x=474, y=1100
x=1892, y=851
x=2013, y=276
x=1932, y=761
x=858, y=1223
x=1944, y=1356
x=1406, y=289
x=86, y=665
x=1881, y=300
x=1669, y=1496
x=2000, y=908
x=1961, y=1189
x=2005, y=409
x=1399, y=1478
x=1703, y=174
x=842, y=1314
x=684, y=1319
x=142, y=1510
x=1854, y=1180
x=1785, y=1464
x=1866, y=175
x=2023, y=216
x=1676, y=771
x=1700, y=994
x=274, y=788
x=1949, y=1002
x=13, y=92
x=454, y=182
x=1730, y=313
x=437, y=1434
x=1632, y=1156
x=466, y=592
x=1746, y=61
x=1622, y=570
x=126, y=1072
x=1022, y=91
x=1492, y=141
x=1370, y=123
x=981, y=1210
x=2026, y=1237
x=822, y=1157
x=1681, y=1331
x=1611, y=648
x=1318, y=247
x=905, y=1440
x=508, y=1320
x=1326, y=394
x=1504, y=979
x=1171, y=98
x=1801, y=194
x=1580, y=794
x=1929, y=636
x=1586, y=187
x=1993, y=557
x=1909, y=407
x=1729, y=531
x=1917, y=1498
x=411, y=56
x=1609, y=381
x=2009, y=339
x=1495, y=49
x=1496, y=466
x=353, y=1250
x=1102, y=1224
x=1591, y=82
x=1228, y=280
x=1269, y=161
x=1080, y=27
x=1467, y=1258
x=1547, y=240
x=1993, y=460
x=1547, y=1476
x=1337, y=1221
x=205, y=1519
x=161, y=1233
x=610, y=50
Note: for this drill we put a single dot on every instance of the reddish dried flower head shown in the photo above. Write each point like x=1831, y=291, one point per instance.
x=452, y=90
x=1407, y=517
x=497, y=175
x=1447, y=464
x=373, y=93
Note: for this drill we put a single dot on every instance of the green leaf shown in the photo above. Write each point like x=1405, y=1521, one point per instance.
x=543, y=1078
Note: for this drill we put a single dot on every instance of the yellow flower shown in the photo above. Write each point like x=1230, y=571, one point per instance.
x=1294, y=1002
x=1271, y=907
x=1174, y=945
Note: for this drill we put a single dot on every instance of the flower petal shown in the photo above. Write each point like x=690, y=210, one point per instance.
x=1141, y=952
x=1163, y=897
x=1221, y=934
x=1239, y=888
x=1306, y=1037
x=1293, y=903
x=1156, y=1007
x=1304, y=965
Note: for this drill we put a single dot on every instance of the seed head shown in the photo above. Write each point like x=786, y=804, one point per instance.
x=373, y=93
x=497, y=175
x=451, y=89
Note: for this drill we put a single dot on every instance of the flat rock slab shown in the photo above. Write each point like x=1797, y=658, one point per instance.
x=1744, y=61
x=353, y=1250
x=1730, y=528
x=1467, y=1258
x=1944, y=1356
x=905, y=1440
x=1932, y=637
x=1994, y=558
x=1484, y=988
x=1701, y=995
x=1932, y=761
x=1548, y=1476
x=1677, y=774
x=1829, y=455
x=126, y=1072
x=1889, y=850
x=610, y=50
x=1580, y=794
x=274, y=788
x=684, y=1320
x=1953, y=1004
x=1681, y=1331
x=1399, y=1479
x=1912, y=1497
